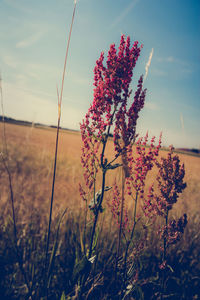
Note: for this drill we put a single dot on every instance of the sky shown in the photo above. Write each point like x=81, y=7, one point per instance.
x=33, y=39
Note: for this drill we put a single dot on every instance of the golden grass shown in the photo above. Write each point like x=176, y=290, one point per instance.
x=31, y=163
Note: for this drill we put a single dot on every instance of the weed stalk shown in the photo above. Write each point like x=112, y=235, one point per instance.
x=57, y=139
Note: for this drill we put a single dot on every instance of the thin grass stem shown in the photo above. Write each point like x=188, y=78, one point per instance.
x=57, y=139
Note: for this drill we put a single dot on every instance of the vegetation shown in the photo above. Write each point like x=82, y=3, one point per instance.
x=120, y=224
x=31, y=166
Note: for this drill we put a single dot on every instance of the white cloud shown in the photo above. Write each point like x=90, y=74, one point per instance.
x=29, y=41
x=124, y=13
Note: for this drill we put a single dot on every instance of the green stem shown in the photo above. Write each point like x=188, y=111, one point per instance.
x=104, y=169
x=97, y=214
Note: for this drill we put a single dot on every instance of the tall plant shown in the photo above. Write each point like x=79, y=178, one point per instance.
x=115, y=111
x=110, y=112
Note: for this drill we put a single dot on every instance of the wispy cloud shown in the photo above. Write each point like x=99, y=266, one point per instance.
x=148, y=64
x=172, y=66
x=124, y=13
x=80, y=79
x=151, y=106
x=10, y=61
x=17, y=5
x=29, y=41
x=172, y=59
x=158, y=72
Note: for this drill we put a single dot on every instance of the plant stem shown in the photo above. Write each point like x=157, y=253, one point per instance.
x=52, y=194
x=97, y=213
x=131, y=237
x=165, y=237
x=121, y=217
x=104, y=169
x=12, y=198
x=57, y=135
x=164, y=253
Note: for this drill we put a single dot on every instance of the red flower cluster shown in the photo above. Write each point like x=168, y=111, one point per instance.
x=115, y=207
x=112, y=83
x=108, y=110
x=174, y=230
x=89, y=157
x=140, y=164
x=170, y=185
x=126, y=120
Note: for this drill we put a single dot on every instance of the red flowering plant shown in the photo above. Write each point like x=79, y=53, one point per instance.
x=139, y=164
x=108, y=112
x=170, y=182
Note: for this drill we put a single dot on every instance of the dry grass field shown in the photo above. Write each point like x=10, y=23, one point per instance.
x=30, y=161
x=31, y=157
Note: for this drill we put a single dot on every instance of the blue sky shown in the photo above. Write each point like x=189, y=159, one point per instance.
x=33, y=39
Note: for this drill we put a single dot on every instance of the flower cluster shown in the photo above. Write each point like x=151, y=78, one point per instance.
x=108, y=110
x=126, y=120
x=170, y=185
x=115, y=207
x=89, y=157
x=173, y=231
x=82, y=192
x=112, y=82
x=111, y=93
x=140, y=164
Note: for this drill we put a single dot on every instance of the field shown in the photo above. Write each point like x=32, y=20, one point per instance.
x=32, y=156
x=30, y=161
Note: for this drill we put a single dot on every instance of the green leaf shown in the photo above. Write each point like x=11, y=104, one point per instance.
x=81, y=268
x=63, y=296
x=112, y=167
x=54, y=250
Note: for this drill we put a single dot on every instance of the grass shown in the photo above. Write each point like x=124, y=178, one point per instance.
x=31, y=157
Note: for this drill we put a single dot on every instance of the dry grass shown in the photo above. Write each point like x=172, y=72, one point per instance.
x=31, y=162
x=31, y=157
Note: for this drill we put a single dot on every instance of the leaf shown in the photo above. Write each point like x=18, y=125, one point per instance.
x=170, y=268
x=54, y=250
x=112, y=167
x=81, y=268
x=63, y=296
